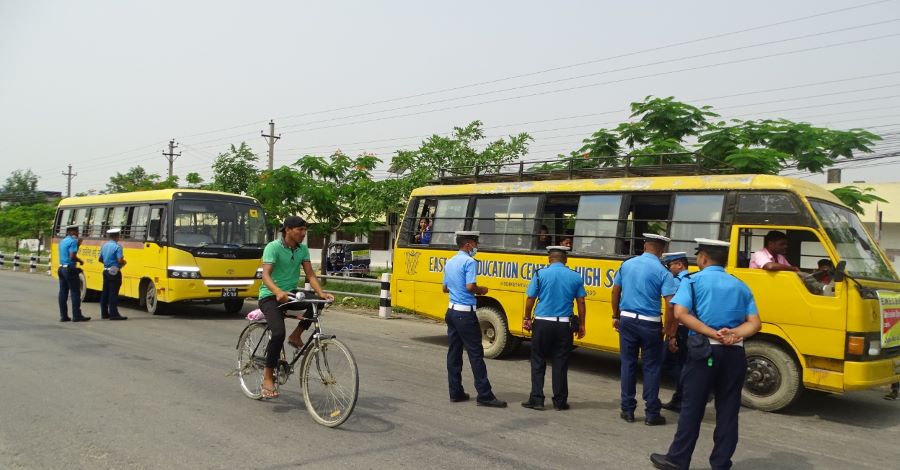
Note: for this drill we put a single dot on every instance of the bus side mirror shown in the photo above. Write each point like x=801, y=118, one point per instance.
x=839, y=273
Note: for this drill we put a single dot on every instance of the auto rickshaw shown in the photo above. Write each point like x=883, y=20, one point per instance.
x=347, y=258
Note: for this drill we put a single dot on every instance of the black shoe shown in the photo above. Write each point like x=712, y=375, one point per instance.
x=563, y=407
x=663, y=462
x=495, y=403
x=655, y=421
x=82, y=319
x=672, y=406
x=533, y=406
x=65, y=319
x=118, y=317
x=104, y=317
x=627, y=416
x=463, y=397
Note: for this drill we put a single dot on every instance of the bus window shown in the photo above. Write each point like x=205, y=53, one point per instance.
x=156, y=228
x=449, y=217
x=559, y=218
x=597, y=224
x=412, y=232
x=695, y=216
x=80, y=218
x=64, y=218
x=117, y=218
x=805, y=251
x=506, y=222
x=646, y=214
x=138, y=222
x=97, y=224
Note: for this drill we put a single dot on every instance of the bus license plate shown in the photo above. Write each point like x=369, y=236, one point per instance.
x=229, y=292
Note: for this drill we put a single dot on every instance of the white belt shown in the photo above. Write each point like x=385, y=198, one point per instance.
x=717, y=343
x=557, y=319
x=639, y=317
x=112, y=270
x=461, y=307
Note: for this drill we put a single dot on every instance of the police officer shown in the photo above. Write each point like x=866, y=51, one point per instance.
x=637, y=288
x=726, y=314
x=463, y=330
x=69, y=282
x=674, y=356
x=557, y=287
x=113, y=261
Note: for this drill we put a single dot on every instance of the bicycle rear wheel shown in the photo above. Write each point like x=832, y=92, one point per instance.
x=330, y=381
x=252, y=358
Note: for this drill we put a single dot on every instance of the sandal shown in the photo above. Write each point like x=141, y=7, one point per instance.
x=269, y=393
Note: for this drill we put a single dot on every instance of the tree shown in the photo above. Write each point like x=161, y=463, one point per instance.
x=193, y=180
x=854, y=197
x=137, y=179
x=21, y=188
x=27, y=221
x=235, y=170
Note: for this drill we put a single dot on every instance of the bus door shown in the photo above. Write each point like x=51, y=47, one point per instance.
x=155, y=251
x=806, y=305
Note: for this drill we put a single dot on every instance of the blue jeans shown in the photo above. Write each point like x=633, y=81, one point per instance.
x=644, y=336
x=69, y=285
x=109, y=299
x=463, y=332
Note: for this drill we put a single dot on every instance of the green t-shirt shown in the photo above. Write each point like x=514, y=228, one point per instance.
x=286, y=265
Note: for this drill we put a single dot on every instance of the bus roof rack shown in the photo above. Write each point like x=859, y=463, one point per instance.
x=619, y=166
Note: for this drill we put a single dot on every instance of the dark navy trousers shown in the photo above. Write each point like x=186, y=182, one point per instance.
x=673, y=362
x=109, y=298
x=69, y=286
x=464, y=333
x=725, y=378
x=644, y=337
x=550, y=341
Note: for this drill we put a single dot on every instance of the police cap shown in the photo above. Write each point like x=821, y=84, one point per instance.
x=674, y=256
x=652, y=237
x=710, y=245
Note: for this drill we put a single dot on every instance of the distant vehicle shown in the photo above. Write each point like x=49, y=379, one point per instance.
x=346, y=258
x=180, y=245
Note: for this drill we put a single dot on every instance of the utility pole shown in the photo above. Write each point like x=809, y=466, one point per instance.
x=271, y=138
x=171, y=156
x=69, y=175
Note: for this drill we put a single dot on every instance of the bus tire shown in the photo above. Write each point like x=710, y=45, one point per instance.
x=495, y=336
x=150, y=299
x=773, y=379
x=234, y=306
x=87, y=295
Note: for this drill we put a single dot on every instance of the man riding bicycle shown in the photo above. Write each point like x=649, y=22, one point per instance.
x=282, y=260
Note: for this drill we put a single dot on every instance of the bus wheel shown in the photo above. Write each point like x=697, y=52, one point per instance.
x=151, y=300
x=495, y=336
x=233, y=306
x=773, y=377
x=87, y=295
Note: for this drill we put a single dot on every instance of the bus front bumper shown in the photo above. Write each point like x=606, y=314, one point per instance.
x=870, y=374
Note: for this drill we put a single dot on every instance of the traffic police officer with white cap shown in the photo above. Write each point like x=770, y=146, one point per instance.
x=556, y=287
x=673, y=359
x=637, y=288
x=113, y=261
x=463, y=330
x=69, y=282
x=726, y=314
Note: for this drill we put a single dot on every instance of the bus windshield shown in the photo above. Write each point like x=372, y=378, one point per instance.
x=852, y=242
x=203, y=223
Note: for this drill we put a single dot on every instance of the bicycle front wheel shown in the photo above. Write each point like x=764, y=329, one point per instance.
x=330, y=381
x=252, y=359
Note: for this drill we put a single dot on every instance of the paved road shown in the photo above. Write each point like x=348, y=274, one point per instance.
x=152, y=392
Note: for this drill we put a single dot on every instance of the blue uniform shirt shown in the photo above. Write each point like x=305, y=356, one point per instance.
x=67, y=247
x=722, y=300
x=110, y=254
x=559, y=286
x=644, y=280
x=679, y=278
x=459, y=271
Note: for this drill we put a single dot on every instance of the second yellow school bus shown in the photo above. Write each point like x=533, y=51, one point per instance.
x=180, y=245
x=828, y=336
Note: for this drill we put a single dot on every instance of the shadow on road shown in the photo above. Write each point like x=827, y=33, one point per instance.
x=846, y=409
x=776, y=461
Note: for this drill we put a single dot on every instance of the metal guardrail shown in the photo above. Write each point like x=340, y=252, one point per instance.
x=384, y=296
x=17, y=260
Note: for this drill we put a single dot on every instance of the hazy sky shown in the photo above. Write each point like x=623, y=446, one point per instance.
x=104, y=85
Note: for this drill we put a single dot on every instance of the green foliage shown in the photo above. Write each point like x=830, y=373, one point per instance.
x=235, y=170
x=279, y=193
x=27, y=221
x=667, y=119
x=193, y=180
x=854, y=197
x=21, y=188
x=602, y=146
x=137, y=179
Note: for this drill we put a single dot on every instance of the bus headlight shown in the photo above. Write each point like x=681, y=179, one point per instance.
x=875, y=347
x=259, y=273
x=184, y=272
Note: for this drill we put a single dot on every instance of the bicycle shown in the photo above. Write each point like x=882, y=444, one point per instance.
x=328, y=373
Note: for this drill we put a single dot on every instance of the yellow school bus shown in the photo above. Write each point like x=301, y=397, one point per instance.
x=180, y=245
x=827, y=336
